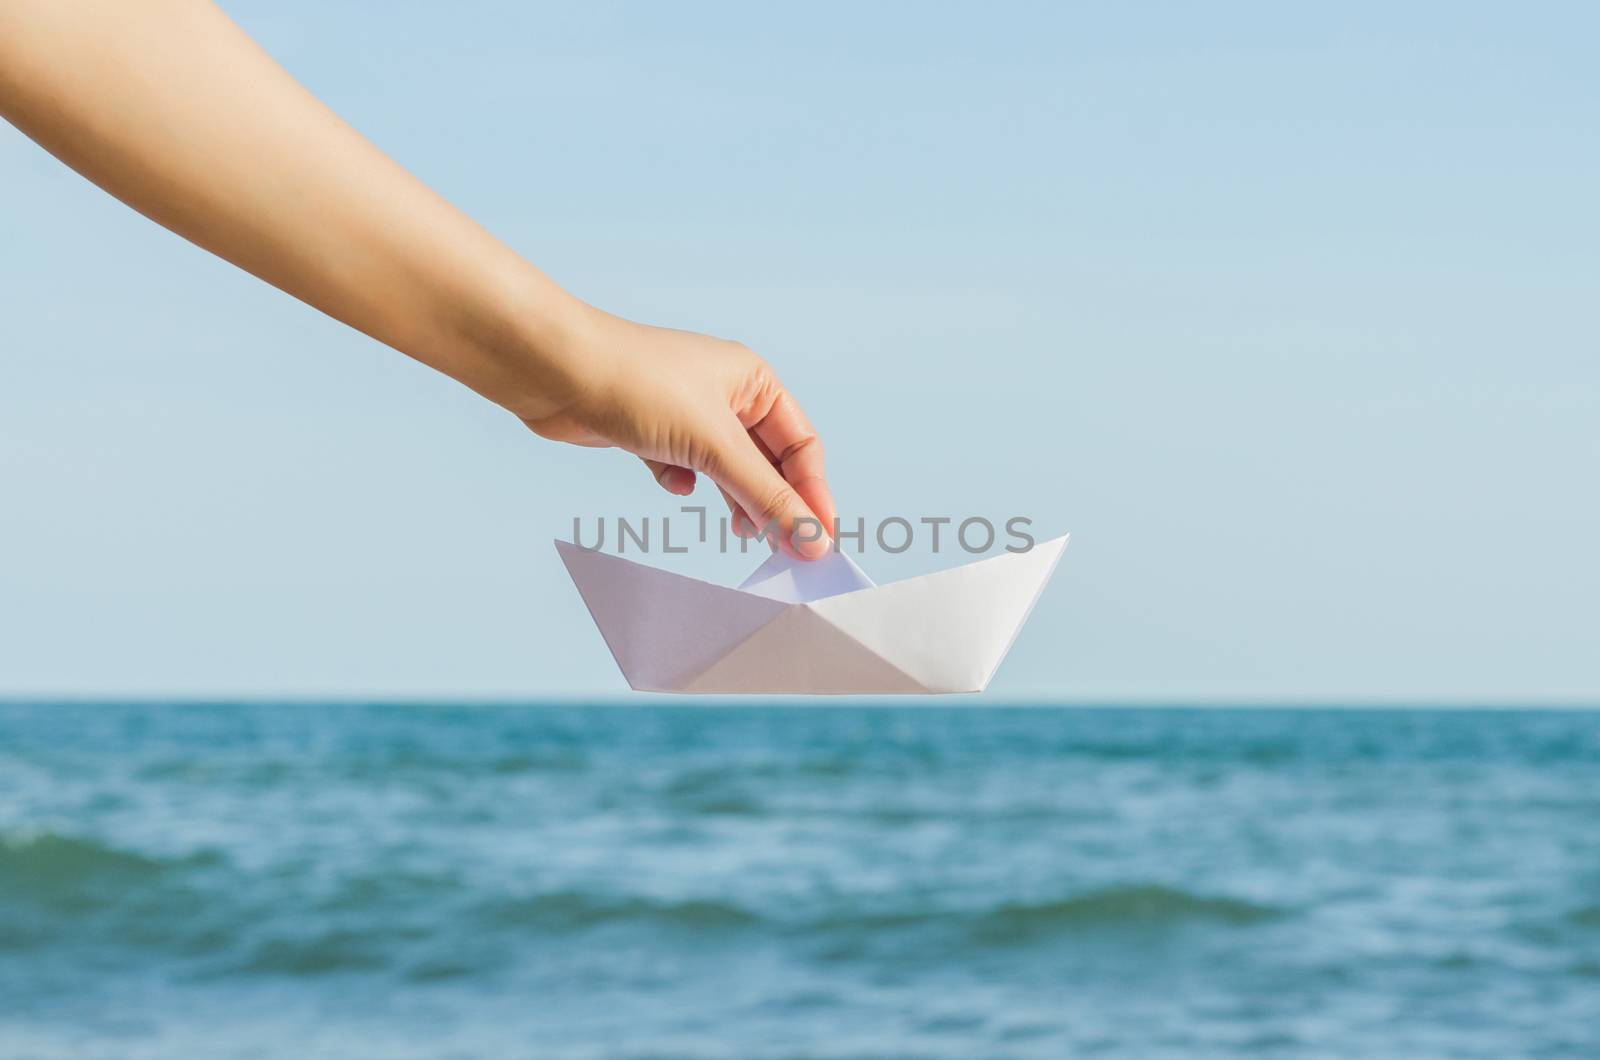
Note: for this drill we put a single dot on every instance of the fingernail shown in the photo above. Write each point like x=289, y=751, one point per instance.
x=812, y=548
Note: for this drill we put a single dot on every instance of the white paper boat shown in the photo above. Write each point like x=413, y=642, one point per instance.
x=820, y=628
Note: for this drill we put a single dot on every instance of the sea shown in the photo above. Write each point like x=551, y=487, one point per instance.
x=750, y=881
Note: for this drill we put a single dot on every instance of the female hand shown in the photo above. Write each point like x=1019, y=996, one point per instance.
x=688, y=403
x=171, y=108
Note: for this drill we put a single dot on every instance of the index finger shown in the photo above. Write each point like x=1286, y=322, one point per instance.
x=787, y=434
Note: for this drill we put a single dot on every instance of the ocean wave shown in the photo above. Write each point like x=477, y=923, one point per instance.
x=1559, y=929
x=67, y=874
x=58, y=887
x=1002, y=923
x=1587, y=916
x=335, y=950
x=1132, y=906
x=1135, y=904
x=569, y=910
x=46, y=864
x=382, y=765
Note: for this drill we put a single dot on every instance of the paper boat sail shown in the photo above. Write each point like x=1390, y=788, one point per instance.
x=820, y=628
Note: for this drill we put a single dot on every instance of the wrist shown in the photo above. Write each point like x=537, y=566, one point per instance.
x=548, y=353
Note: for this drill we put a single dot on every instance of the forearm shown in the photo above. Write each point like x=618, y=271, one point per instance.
x=171, y=108
x=167, y=105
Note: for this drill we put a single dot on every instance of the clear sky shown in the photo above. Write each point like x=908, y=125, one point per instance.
x=1288, y=314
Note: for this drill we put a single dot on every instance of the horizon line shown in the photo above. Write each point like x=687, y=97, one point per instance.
x=801, y=702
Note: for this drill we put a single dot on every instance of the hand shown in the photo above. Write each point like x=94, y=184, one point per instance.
x=173, y=109
x=688, y=403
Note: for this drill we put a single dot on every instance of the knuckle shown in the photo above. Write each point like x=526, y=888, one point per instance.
x=810, y=444
x=777, y=500
x=709, y=458
x=754, y=363
x=738, y=353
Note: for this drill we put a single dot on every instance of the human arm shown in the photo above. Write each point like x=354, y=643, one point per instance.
x=169, y=106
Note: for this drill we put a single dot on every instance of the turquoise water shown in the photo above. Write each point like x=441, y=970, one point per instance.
x=406, y=881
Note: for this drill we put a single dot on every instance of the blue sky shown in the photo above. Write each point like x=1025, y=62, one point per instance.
x=1287, y=314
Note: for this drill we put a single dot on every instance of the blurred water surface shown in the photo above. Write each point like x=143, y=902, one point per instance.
x=244, y=880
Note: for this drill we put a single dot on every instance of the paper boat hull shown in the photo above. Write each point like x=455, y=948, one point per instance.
x=939, y=633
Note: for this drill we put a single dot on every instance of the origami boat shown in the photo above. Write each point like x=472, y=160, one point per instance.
x=819, y=628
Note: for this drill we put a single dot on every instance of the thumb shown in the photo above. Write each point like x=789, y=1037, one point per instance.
x=740, y=467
